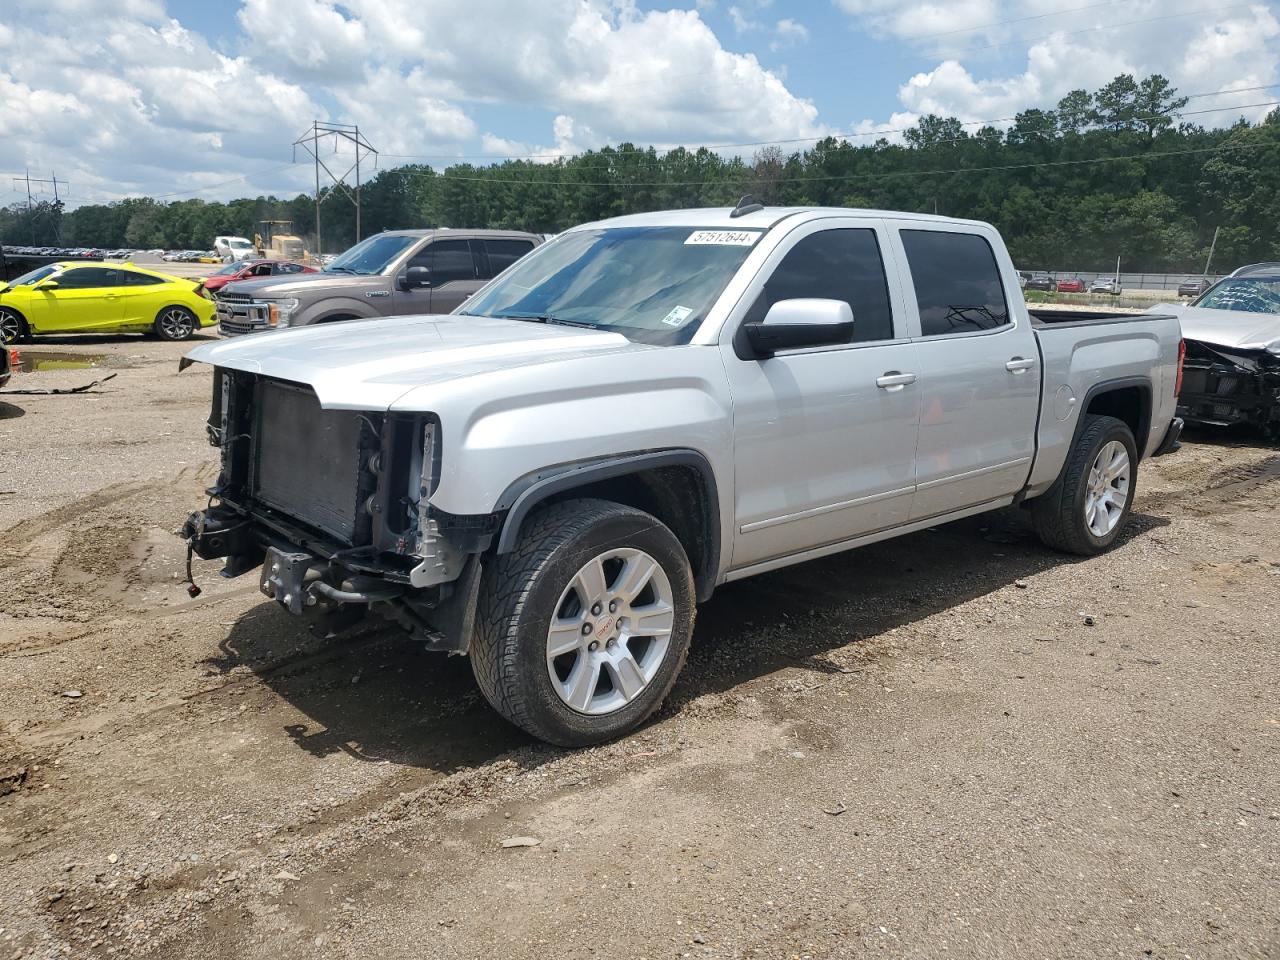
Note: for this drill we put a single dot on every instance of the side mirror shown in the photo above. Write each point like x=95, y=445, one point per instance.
x=415, y=278
x=47, y=285
x=803, y=322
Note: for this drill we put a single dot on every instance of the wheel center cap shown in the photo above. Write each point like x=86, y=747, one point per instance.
x=605, y=627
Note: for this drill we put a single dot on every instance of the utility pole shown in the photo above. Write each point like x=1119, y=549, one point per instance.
x=1209, y=259
x=337, y=133
x=53, y=180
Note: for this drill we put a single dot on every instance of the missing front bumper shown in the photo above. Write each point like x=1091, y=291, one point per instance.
x=1225, y=387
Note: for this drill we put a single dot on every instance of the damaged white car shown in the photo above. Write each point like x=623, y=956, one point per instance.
x=1232, y=333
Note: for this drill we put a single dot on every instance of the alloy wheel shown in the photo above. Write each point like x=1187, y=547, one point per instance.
x=176, y=324
x=610, y=631
x=1107, y=492
x=10, y=327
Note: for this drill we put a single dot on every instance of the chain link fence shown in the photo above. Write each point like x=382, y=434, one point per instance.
x=1129, y=281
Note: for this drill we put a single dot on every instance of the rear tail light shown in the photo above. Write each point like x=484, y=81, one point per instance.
x=1182, y=359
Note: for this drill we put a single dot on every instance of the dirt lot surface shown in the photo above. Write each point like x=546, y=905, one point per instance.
x=953, y=745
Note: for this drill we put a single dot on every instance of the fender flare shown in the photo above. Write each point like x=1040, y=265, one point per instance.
x=1147, y=391
x=326, y=311
x=522, y=496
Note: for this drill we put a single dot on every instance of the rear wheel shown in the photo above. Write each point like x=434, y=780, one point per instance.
x=1086, y=509
x=12, y=327
x=175, y=323
x=584, y=627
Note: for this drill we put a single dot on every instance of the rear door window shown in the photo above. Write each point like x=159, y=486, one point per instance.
x=503, y=253
x=957, y=282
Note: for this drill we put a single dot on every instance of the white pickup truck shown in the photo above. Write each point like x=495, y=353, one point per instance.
x=551, y=478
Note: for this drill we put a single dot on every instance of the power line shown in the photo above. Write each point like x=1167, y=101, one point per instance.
x=852, y=176
x=868, y=133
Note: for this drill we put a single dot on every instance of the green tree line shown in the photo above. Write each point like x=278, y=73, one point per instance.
x=1116, y=172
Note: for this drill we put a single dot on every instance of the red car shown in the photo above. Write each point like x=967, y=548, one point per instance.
x=1071, y=285
x=246, y=269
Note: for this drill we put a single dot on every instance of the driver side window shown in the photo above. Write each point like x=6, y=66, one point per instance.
x=842, y=264
x=85, y=278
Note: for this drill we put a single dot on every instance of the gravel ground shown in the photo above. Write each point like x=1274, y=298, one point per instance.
x=956, y=744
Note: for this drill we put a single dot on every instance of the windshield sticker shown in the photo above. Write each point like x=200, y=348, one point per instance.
x=677, y=316
x=733, y=238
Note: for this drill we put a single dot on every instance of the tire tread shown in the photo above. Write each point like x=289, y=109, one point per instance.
x=505, y=590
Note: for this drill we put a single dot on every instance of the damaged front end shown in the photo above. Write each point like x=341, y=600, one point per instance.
x=1228, y=385
x=333, y=505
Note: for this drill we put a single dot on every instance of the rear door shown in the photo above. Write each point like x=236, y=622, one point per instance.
x=86, y=298
x=979, y=370
x=501, y=254
x=456, y=272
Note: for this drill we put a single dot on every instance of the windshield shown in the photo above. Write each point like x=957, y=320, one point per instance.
x=35, y=276
x=230, y=268
x=371, y=255
x=651, y=284
x=1253, y=296
x=240, y=244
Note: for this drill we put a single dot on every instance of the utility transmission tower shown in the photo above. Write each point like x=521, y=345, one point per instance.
x=53, y=180
x=337, y=134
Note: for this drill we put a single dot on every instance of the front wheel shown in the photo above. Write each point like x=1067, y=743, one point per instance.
x=582, y=630
x=175, y=323
x=12, y=327
x=1086, y=509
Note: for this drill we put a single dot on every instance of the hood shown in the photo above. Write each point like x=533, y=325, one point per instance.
x=1239, y=329
x=369, y=364
x=286, y=286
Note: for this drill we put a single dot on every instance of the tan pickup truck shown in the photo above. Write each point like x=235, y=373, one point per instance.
x=396, y=273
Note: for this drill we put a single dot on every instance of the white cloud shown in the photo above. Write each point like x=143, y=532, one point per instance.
x=741, y=22
x=140, y=103
x=1216, y=53
x=788, y=32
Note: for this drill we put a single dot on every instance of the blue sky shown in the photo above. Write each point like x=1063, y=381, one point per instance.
x=204, y=97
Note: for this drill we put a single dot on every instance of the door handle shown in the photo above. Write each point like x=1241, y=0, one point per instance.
x=1019, y=365
x=894, y=381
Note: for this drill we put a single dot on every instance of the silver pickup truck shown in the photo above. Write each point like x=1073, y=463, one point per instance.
x=648, y=407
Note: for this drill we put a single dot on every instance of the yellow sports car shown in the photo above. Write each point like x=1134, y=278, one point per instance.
x=91, y=297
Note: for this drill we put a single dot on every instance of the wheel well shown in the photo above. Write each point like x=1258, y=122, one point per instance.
x=338, y=318
x=1131, y=404
x=677, y=495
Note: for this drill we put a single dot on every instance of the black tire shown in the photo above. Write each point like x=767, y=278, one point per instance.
x=13, y=327
x=519, y=597
x=1059, y=514
x=175, y=323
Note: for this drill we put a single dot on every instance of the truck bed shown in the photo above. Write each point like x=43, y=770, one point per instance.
x=1048, y=317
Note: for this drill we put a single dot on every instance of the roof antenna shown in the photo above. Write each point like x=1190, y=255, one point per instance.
x=748, y=204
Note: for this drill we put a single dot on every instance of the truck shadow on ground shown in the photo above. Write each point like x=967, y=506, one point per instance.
x=374, y=696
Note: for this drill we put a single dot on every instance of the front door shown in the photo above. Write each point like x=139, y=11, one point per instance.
x=86, y=298
x=824, y=438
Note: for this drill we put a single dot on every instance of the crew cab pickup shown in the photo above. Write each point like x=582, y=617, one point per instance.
x=645, y=408
x=393, y=273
